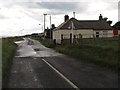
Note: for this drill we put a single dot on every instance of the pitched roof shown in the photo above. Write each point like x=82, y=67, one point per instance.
x=84, y=24
x=117, y=25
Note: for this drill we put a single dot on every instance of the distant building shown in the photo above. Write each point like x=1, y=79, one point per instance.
x=82, y=29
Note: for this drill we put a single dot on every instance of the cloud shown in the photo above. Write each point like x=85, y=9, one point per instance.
x=119, y=11
x=3, y=17
x=30, y=5
x=27, y=14
x=62, y=7
x=67, y=6
x=112, y=5
x=119, y=5
x=56, y=7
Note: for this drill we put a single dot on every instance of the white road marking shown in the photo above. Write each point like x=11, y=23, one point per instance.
x=65, y=78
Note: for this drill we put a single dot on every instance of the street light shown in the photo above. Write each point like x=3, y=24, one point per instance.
x=50, y=26
x=50, y=30
x=39, y=34
x=44, y=24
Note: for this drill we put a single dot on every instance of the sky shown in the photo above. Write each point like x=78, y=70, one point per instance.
x=21, y=17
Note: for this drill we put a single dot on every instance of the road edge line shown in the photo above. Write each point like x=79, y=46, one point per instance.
x=65, y=78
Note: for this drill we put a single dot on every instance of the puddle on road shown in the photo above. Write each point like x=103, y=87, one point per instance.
x=37, y=49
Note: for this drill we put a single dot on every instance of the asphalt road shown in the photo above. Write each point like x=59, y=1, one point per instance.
x=35, y=66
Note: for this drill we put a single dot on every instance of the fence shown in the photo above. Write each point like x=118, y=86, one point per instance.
x=79, y=39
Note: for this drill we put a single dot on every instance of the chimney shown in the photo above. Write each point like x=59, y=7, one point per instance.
x=100, y=17
x=53, y=26
x=74, y=14
x=66, y=17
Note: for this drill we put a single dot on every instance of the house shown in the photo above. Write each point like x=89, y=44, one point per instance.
x=73, y=28
x=116, y=27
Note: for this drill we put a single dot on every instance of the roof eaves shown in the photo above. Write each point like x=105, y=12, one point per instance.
x=59, y=27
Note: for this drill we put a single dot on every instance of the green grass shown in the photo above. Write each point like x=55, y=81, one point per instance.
x=106, y=57
x=8, y=50
x=113, y=44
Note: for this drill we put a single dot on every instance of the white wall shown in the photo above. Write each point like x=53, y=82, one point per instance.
x=110, y=33
x=118, y=32
x=86, y=33
x=57, y=36
x=104, y=33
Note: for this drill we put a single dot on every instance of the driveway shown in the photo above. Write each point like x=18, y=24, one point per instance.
x=35, y=66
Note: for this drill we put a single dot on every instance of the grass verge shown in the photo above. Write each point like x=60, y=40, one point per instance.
x=8, y=50
x=105, y=57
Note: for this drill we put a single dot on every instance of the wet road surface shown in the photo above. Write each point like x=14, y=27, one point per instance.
x=30, y=70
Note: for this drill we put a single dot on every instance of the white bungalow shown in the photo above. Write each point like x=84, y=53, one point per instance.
x=82, y=28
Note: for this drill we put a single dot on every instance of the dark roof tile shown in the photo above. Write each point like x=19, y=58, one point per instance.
x=117, y=25
x=85, y=24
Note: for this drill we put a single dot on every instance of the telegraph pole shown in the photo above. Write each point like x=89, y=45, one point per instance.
x=39, y=34
x=44, y=24
x=50, y=30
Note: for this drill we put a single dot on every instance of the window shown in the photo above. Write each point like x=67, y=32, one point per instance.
x=97, y=34
x=104, y=33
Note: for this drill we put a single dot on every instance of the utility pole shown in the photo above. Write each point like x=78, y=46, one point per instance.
x=50, y=27
x=50, y=30
x=39, y=34
x=44, y=24
x=72, y=25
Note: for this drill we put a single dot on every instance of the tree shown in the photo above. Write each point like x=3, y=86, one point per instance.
x=105, y=18
x=109, y=22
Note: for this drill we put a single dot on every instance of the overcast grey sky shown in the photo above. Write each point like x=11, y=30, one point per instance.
x=20, y=17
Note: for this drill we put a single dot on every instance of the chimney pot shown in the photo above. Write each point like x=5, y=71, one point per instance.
x=66, y=18
x=100, y=17
x=53, y=26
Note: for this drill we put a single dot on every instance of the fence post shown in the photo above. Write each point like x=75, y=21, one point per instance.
x=70, y=38
x=74, y=39
x=80, y=38
x=93, y=38
x=54, y=42
x=61, y=38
